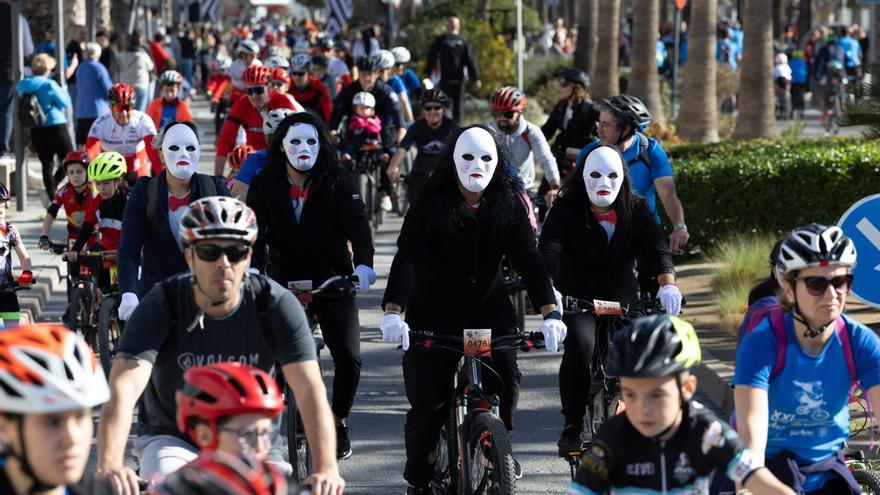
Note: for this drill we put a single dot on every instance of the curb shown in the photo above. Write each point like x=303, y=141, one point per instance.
x=713, y=379
x=48, y=280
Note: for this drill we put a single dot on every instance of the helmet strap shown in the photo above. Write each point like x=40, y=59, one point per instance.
x=39, y=486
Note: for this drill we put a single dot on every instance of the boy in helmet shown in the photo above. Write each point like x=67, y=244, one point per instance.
x=10, y=240
x=169, y=107
x=665, y=441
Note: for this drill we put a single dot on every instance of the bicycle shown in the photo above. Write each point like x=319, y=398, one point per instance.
x=863, y=470
x=835, y=98
x=604, y=394
x=367, y=165
x=13, y=286
x=298, y=451
x=474, y=427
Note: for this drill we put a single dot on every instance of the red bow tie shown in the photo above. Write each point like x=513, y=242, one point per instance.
x=610, y=217
x=175, y=203
x=296, y=192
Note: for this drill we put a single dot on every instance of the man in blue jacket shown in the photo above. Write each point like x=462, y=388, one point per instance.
x=153, y=213
x=93, y=85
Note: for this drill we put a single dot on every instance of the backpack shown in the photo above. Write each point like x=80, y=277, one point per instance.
x=30, y=113
x=643, y=156
x=206, y=185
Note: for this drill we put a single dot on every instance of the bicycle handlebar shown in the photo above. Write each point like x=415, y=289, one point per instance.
x=642, y=307
x=428, y=340
x=337, y=285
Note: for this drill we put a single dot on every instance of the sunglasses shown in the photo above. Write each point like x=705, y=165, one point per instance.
x=817, y=286
x=432, y=108
x=256, y=91
x=212, y=252
x=123, y=107
x=278, y=83
x=506, y=115
x=564, y=83
x=298, y=74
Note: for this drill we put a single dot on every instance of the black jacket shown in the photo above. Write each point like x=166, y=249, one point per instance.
x=581, y=129
x=451, y=281
x=453, y=54
x=582, y=263
x=387, y=107
x=315, y=248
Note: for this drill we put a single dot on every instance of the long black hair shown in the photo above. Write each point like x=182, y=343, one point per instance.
x=327, y=161
x=574, y=192
x=441, y=196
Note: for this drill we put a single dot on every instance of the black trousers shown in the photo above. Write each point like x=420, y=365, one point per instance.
x=83, y=126
x=575, y=371
x=455, y=91
x=428, y=377
x=50, y=143
x=341, y=330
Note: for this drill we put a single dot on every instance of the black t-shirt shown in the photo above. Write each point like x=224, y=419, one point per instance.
x=74, y=48
x=429, y=142
x=236, y=337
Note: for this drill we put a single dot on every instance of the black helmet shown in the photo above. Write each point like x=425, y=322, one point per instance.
x=436, y=95
x=326, y=43
x=369, y=64
x=4, y=192
x=629, y=110
x=575, y=76
x=320, y=60
x=653, y=346
x=343, y=45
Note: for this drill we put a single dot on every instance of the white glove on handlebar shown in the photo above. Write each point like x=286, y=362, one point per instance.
x=394, y=330
x=366, y=277
x=558, y=296
x=554, y=333
x=670, y=299
x=126, y=305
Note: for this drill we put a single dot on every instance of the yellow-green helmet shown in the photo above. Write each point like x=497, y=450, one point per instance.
x=108, y=165
x=654, y=346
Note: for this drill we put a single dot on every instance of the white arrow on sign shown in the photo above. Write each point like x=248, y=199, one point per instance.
x=871, y=233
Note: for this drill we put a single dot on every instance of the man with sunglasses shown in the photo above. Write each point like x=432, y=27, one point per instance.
x=308, y=89
x=247, y=113
x=217, y=312
x=124, y=130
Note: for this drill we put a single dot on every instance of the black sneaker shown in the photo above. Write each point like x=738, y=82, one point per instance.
x=418, y=491
x=343, y=444
x=571, y=440
x=517, y=469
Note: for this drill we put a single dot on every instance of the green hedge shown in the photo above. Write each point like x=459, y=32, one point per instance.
x=770, y=187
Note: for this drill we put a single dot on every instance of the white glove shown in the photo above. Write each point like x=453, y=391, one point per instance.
x=366, y=277
x=554, y=333
x=670, y=299
x=394, y=330
x=558, y=296
x=126, y=305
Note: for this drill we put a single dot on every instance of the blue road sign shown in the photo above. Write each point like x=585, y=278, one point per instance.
x=861, y=223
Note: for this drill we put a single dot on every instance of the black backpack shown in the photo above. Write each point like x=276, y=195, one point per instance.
x=30, y=113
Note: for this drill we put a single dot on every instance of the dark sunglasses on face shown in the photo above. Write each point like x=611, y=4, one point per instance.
x=817, y=286
x=433, y=108
x=256, y=91
x=298, y=74
x=212, y=252
x=506, y=115
x=122, y=107
x=278, y=83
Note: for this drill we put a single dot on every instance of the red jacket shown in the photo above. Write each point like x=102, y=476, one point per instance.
x=160, y=56
x=316, y=97
x=243, y=114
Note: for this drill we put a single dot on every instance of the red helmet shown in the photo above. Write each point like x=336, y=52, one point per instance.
x=238, y=155
x=222, y=473
x=223, y=389
x=280, y=74
x=508, y=99
x=120, y=93
x=76, y=156
x=256, y=75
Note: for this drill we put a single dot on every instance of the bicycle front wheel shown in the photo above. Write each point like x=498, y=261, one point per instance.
x=868, y=480
x=109, y=332
x=490, y=457
x=299, y=453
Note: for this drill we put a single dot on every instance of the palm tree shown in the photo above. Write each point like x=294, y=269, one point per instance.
x=698, y=118
x=605, y=80
x=643, y=80
x=120, y=13
x=757, y=113
x=585, y=51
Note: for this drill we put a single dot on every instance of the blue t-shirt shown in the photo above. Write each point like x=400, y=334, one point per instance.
x=252, y=166
x=169, y=114
x=808, y=400
x=853, y=51
x=397, y=84
x=725, y=53
x=798, y=70
x=642, y=175
x=412, y=83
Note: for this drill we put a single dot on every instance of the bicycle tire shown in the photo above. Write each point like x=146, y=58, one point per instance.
x=109, y=331
x=443, y=462
x=75, y=318
x=868, y=480
x=488, y=440
x=299, y=454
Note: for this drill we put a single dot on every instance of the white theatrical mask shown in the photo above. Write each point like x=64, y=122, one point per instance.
x=301, y=146
x=181, y=151
x=476, y=158
x=603, y=175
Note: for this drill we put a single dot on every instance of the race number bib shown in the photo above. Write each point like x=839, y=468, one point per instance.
x=607, y=307
x=477, y=341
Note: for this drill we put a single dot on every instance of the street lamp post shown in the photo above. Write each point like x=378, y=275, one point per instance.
x=520, y=44
x=679, y=6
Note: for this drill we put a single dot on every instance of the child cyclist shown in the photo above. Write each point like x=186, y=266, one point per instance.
x=665, y=442
x=10, y=240
x=73, y=197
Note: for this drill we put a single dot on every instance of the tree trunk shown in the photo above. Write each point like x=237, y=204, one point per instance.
x=698, y=119
x=778, y=9
x=874, y=56
x=643, y=81
x=757, y=113
x=805, y=20
x=74, y=15
x=39, y=14
x=585, y=50
x=120, y=13
x=102, y=14
x=605, y=74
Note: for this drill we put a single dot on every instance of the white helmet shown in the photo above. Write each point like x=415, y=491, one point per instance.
x=170, y=77
x=815, y=245
x=45, y=368
x=276, y=61
x=222, y=62
x=218, y=218
x=247, y=47
x=401, y=55
x=386, y=59
x=301, y=62
x=365, y=99
x=276, y=51
x=273, y=119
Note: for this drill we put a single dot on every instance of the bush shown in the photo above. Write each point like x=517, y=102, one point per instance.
x=739, y=263
x=768, y=187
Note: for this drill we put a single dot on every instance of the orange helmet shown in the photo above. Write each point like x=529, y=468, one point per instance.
x=508, y=99
x=238, y=155
x=256, y=75
x=120, y=93
x=280, y=74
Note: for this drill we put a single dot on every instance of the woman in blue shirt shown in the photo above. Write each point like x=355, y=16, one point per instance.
x=792, y=383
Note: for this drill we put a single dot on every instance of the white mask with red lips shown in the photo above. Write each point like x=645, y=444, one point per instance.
x=603, y=176
x=476, y=158
x=181, y=151
x=301, y=146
